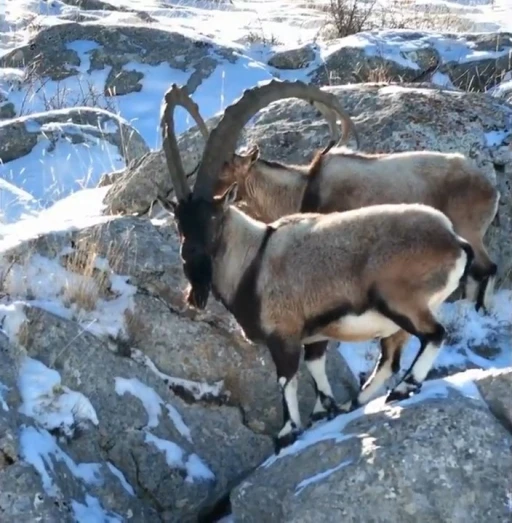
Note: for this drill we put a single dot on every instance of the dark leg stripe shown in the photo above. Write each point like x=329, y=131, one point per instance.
x=246, y=304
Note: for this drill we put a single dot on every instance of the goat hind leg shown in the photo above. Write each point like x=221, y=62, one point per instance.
x=325, y=405
x=388, y=364
x=286, y=357
x=431, y=334
x=481, y=278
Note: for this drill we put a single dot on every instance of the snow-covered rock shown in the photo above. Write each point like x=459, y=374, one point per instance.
x=472, y=62
x=47, y=156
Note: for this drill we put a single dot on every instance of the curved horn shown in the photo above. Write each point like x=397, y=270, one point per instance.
x=348, y=126
x=223, y=139
x=173, y=97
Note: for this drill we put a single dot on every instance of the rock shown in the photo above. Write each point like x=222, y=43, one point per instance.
x=388, y=118
x=123, y=82
x=385, y=56
x=298, y=58
x=115, y=46
x=205, y=347
x=486, y=71
x=355, y=65
x=496, y=389
x=7, y=111
x=407, y=460
x=213, y=436
x=19, y=136
x=94, y=5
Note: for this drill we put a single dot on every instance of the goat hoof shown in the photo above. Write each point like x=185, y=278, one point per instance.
x=349, y=406
x=317, y=416
x=396, y=395
x=281, y=442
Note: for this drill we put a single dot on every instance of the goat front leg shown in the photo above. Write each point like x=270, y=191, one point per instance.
x=325, y=405
x=286, y=356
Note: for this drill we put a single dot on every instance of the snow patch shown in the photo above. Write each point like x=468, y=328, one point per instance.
x=120, y=476
x=93, y=512
x=70, y=294
x=53, y=170
x=3, y=403
x=51, y=404
x=175, y=457
x=12, y=317
x=198, y=390
x=495, y=138
x=39, y=449
x=152, y=402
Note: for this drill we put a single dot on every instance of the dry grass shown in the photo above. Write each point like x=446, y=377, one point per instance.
x=94, y=283
x=347, y=17
x=56, y=94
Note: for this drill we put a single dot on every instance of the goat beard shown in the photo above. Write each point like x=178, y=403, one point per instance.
x=197, y=296
x=199, y=276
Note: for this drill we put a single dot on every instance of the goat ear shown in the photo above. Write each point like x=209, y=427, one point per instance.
x=229, y=197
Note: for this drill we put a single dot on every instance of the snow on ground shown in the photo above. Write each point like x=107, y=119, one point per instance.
x=3, y=390
x=38, y=447
x=175, y=456
x=51, y=404
x=92, y=512
x=152, y=403
x=70, y=294
x=198, y=390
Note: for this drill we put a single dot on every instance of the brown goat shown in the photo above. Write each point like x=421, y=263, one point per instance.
x=340, y=180
x=377, y=272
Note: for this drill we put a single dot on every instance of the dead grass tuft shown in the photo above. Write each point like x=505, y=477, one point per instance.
x=94, y=283
x=348, y=17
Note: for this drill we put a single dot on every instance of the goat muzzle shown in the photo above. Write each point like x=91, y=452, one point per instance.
x=199, y=274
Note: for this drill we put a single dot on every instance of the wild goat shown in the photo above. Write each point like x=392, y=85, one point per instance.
x=377, y=272
x=340, y=180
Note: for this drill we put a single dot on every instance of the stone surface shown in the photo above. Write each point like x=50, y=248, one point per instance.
x=297, y=58
x=388, y=118
x=117, y=45
x=496, y=389
x=387, y=57
x=206, y=347
x=217, y=435
x=20, y=135
x=400, y=463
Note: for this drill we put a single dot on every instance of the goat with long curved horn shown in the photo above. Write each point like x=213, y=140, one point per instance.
x=304, y=279
x=195, y=209
x=222, y=140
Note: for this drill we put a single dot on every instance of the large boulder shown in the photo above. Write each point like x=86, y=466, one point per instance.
x=105, y=65
x=59, y=57
x=77, y=125
x=388, y=118
x=47, y=156
x=471, y=62
x=396, y=463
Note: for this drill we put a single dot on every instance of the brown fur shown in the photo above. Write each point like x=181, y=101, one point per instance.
x=314, y=263
x=343, y=180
